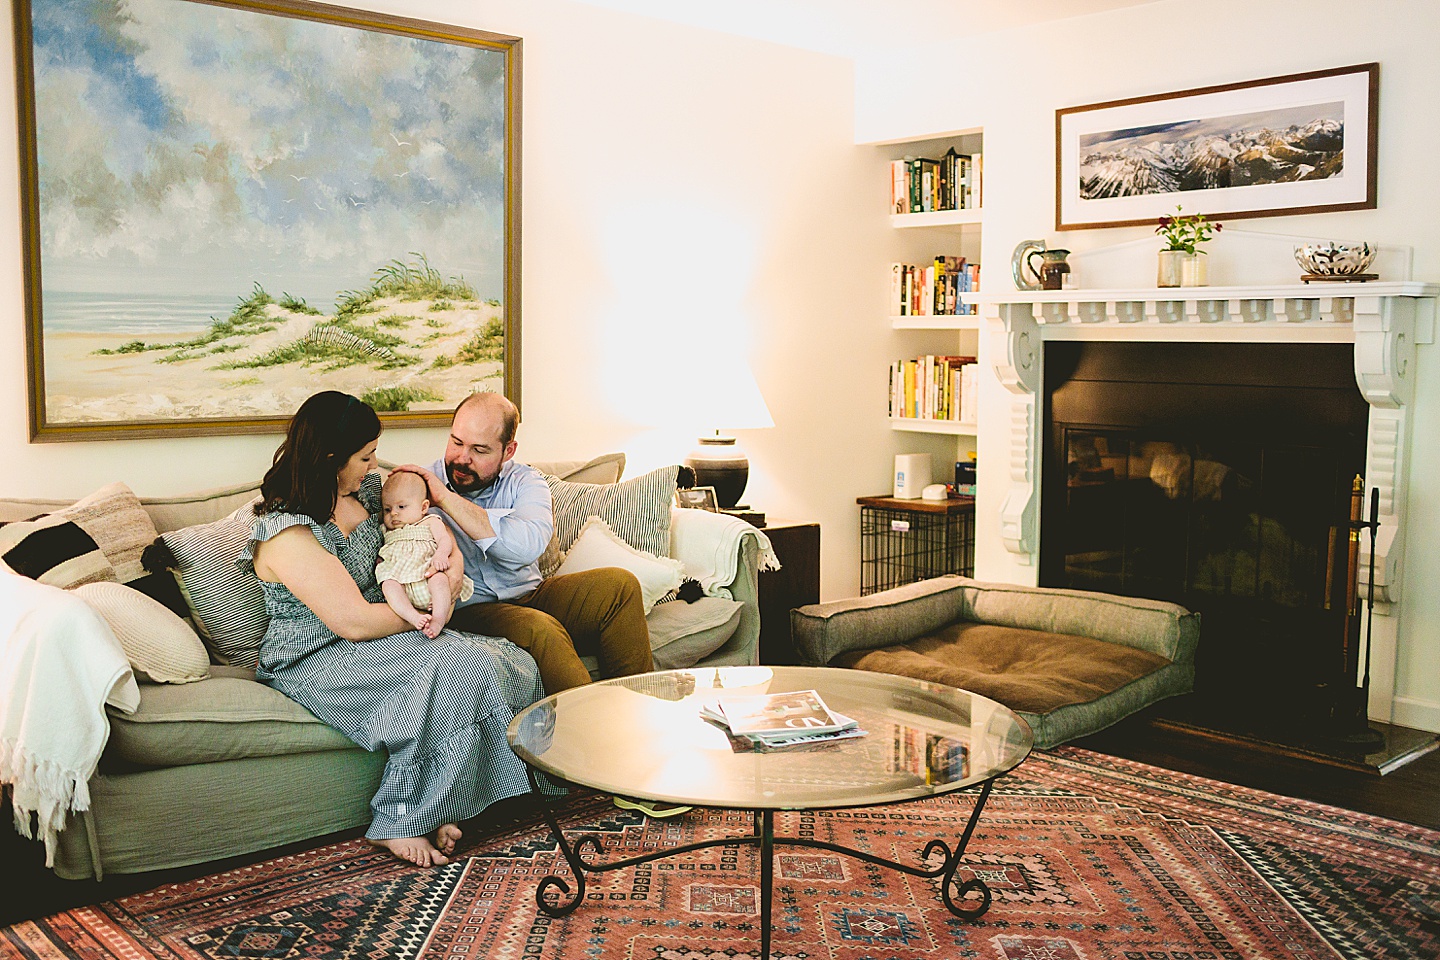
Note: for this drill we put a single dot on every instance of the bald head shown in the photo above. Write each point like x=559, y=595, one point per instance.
x=495, y=405
x=482, y=438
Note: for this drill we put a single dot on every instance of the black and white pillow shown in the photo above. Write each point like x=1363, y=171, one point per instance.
x=226, y=603
x=54, y=551
x=637, y=510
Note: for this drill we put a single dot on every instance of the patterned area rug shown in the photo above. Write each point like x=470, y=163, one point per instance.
x=1088, y=857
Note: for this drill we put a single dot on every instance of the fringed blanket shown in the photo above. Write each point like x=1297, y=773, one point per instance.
x=59, y=666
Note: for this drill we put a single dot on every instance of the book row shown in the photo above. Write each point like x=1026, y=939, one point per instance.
x=933, y=388
x=923, y=185
x=933, y=289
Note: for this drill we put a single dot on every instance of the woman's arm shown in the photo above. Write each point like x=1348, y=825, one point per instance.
x=320, y=581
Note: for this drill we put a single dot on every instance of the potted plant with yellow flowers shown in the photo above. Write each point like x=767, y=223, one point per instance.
x=1182, y=264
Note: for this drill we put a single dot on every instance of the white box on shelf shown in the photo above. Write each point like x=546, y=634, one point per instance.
x=912, y=475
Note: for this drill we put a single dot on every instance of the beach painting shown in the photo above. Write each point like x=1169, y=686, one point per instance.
x=229, y=208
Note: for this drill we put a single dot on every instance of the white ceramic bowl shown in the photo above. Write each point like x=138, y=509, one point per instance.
x=1334, y=259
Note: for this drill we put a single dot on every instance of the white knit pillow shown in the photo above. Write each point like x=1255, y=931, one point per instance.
x=599, y=546
x=158, y=644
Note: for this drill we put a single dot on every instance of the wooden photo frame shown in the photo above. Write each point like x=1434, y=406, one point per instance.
x=1302, y=143
x=697, y=498
x=229, y=205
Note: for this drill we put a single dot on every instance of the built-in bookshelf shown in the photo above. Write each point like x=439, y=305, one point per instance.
x=937, y=210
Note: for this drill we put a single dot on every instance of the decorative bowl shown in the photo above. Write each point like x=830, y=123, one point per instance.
x=1330, y=258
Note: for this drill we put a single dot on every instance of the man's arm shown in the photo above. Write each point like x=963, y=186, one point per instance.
x=470, y=517
x=517, y=534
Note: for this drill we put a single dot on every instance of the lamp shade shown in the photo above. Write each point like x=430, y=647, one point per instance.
x=721, y=394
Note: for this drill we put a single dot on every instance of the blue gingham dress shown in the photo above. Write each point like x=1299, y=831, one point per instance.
x=439, y=707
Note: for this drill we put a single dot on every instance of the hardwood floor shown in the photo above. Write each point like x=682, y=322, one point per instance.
x=1410, y=793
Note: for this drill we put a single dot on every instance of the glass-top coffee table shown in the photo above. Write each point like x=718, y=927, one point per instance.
x=643, y=736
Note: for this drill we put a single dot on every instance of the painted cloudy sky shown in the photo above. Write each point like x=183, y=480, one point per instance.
x=187, y=148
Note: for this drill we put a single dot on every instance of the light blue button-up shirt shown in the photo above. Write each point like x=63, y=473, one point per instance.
x=506, y=565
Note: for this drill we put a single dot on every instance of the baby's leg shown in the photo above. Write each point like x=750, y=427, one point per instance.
x=440, y=603
x=394, y=592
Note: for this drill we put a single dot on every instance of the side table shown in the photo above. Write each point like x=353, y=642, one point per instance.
x=795, y=584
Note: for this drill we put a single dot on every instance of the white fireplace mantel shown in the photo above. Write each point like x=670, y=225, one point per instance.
x=1383, y=320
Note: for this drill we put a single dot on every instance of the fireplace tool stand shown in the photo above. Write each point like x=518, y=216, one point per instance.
x=1353, y=726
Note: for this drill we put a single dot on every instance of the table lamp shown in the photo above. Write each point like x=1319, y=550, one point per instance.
x=724, y=396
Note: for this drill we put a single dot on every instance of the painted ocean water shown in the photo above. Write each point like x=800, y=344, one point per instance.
x=73, y=312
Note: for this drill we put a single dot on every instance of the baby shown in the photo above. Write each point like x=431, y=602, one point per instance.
x=416, y=543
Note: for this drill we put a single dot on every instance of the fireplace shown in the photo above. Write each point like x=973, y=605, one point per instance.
x=1217, y=476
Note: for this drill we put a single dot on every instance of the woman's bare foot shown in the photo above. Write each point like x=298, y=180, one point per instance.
x=446, y=837
x=417, y=850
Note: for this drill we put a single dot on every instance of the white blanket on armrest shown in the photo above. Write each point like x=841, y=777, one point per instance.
x=709, y=546
x=59, y=666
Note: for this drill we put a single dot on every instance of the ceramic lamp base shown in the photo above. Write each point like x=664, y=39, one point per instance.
x=720, y=464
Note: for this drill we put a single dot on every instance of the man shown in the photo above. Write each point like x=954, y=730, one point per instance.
x=499, y=510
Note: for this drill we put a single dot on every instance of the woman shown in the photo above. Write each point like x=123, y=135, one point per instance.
x=440, y=707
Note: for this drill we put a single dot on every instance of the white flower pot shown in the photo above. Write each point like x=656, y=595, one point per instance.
x=1193, y=269
x=1170, y=267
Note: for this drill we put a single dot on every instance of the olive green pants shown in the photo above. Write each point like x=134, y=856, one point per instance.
x=597, y=612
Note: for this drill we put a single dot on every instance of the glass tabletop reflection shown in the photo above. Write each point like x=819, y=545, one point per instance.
x=643, y=736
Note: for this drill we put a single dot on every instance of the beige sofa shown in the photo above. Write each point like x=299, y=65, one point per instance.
x=226, y=766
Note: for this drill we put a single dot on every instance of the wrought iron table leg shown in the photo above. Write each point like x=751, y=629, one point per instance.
x=767, y=877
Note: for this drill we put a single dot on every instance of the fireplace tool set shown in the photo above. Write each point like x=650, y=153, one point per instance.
x=1351, y=706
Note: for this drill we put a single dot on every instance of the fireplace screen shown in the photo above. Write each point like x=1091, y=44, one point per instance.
x=1201, y=478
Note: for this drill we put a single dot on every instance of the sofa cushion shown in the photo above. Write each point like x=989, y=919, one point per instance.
x=606, y=468
x=599, y=546
x=160, y=646
x=228, y=716
x=681, y=633
x=1026, y=670
x=227, y=604
x=638, y=510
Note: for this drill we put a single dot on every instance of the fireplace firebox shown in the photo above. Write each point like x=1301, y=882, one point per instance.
x=1217, y=476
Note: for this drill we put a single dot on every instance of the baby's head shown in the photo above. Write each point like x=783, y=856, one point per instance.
x=403, y=499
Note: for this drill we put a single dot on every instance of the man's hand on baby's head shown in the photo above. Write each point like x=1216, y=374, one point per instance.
x=435, y=487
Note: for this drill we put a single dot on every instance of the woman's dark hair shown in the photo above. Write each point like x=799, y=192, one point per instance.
x=325, y=432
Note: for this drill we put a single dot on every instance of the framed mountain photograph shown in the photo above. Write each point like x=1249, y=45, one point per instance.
x=229, y=205
x=1303, y=143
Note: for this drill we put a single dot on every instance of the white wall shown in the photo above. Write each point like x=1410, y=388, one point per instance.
x=685, y=192
x=1011, y=84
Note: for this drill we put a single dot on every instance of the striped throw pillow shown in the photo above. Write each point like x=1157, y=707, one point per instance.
x=638, y=510
x=226, y=603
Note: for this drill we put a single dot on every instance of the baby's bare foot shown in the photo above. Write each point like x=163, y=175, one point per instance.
x=417, y=850
x=446, y=837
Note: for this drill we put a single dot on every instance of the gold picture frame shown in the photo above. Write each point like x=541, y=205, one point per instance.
x=201, y=178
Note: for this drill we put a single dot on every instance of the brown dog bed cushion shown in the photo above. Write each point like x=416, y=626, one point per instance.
x=1026, y=670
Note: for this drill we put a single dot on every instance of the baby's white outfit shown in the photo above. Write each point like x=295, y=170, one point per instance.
x=405, y=557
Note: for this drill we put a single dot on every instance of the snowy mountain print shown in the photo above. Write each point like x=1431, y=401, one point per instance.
x=1273, y=146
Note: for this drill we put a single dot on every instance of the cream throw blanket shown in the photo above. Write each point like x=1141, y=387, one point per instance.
x=59, y=666
x=709, y=546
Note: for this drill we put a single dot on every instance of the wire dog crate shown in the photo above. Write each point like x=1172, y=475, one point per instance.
x=902, y=541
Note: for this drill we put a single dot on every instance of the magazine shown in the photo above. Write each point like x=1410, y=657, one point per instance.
x=800, y=711
x=774, y=741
